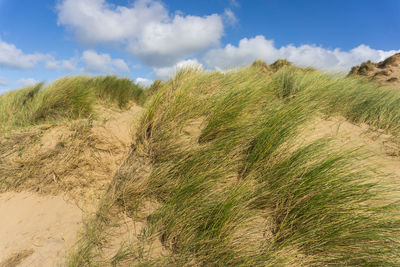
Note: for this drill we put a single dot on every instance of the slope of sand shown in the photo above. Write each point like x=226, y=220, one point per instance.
x=67, y=170
x=386, y=72
x=38, y=227
x=382, y=149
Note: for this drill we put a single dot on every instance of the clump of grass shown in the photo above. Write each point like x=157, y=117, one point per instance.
x=280, y=63
x=364, y=69
x=66, y=98
x=354, y=98
x=119, y=90
x=155, y=86
x=285, y=85
x=259, y=63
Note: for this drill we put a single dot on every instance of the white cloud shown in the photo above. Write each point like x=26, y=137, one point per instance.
x=143, y=81
x=168, y=72
x=97, y=21
x=230, y=17
x=68, y=65
x=3, y=82
x=145, y=28
x=164, y=44
x=95, y=62
x=27, y=81
x=249, y=50
x=12, y=57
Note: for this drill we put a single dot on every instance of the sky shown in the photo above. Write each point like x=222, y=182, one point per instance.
x=144, y=40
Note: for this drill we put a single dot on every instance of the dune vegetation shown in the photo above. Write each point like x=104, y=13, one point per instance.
x=223, y=172
x=232, y=184
x=66, y=98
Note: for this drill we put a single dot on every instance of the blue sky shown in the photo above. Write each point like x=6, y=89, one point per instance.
x=145, y=39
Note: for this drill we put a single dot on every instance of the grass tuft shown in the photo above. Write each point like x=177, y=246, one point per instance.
x=66, y=98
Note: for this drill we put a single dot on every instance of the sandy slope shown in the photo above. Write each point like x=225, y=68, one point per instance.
x=383, y=149
x=37, y=230
x=41, y=222
x=386, y=72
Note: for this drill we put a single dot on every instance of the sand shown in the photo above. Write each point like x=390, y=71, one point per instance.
x=386, y=72
x=40, y=220
x=40, y=228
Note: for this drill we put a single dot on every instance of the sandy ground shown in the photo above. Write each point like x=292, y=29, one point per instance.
x=39, y=229
x=45, y=226
x=384, y=149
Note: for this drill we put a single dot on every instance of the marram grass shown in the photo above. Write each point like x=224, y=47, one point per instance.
x=66, y=98
x=354, y=98
x=233, y=183
x=242, y=191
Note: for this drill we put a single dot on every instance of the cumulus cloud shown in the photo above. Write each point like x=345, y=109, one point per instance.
x=3, y=82
x=145, y=28
x=143, y=81
x=258, y=47
x=95, y=62
x=168, y=72
x=27, y=81
x=12, y=57
x=164, y=44
x=96, y=21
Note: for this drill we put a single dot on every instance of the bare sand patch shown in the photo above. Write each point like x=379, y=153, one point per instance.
x=383, y=149
x=36, y=230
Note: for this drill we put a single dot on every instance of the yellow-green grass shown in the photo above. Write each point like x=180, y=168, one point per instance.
x=355, y=98
x=234, y=185
x=242, y=191
x=66, y=98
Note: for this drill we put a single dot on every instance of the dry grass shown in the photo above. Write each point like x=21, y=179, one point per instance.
x=16, y=258
x=77, y=157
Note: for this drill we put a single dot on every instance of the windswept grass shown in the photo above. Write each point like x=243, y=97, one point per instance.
x=354, y=98
x=66, y=98
x=237, y=188
x=118, y=90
